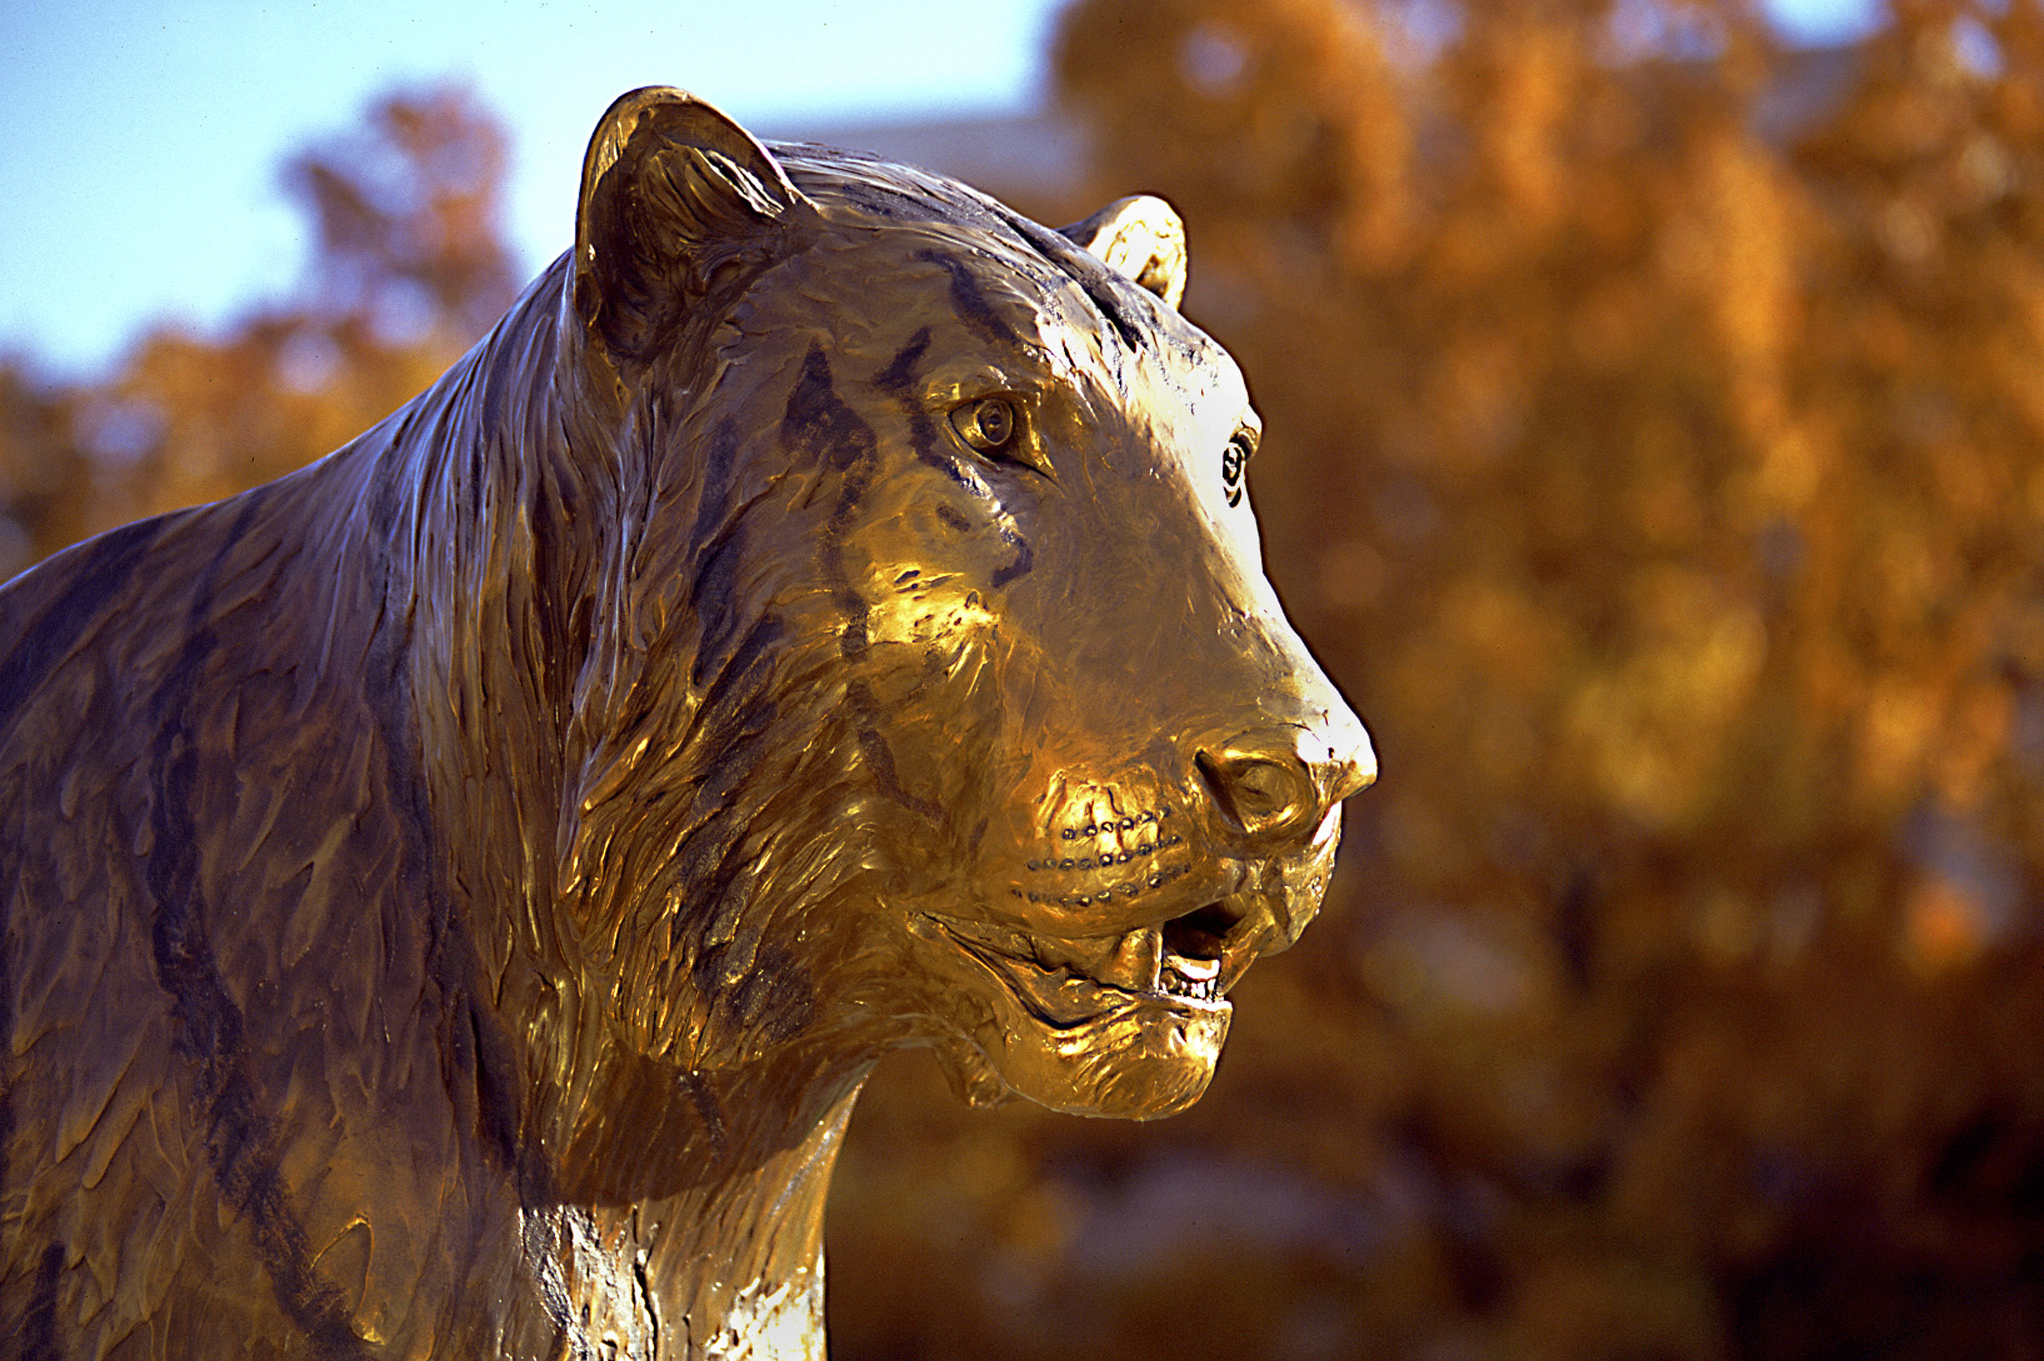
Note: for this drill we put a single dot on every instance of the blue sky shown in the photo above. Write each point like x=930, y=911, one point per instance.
x=140, y=166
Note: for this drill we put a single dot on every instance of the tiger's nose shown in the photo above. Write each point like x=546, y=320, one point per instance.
x=1277, y=784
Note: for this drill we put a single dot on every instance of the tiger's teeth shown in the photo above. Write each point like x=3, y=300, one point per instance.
x=1195, y=970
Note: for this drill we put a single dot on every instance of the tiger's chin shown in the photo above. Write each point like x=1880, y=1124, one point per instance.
x=1140, y=1066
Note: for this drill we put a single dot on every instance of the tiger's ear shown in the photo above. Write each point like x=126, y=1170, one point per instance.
x=1141, y=237
x=672, y=192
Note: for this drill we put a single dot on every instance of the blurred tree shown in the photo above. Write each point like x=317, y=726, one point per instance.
x=408, y=269
x=44, y=477
x=407, y=208
x=1654, y=456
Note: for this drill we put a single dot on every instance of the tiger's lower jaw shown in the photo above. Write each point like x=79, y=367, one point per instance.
x=1139, y=1064
x=1082, y=1046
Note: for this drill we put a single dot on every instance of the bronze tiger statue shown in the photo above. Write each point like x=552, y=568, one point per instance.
x=454, y=894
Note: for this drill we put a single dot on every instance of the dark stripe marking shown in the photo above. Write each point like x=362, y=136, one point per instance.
x=481, y=1063
x=1109, y=291
x=1025, y=559
x=99, y=570
x=478, y=1067
x=708, y=1111
x=39, y=1322
x=719, y=476
x=881, y=756
x=899, y=378
x=971, y=302
x=207, y=1025
x=901, y=372
x=819, y=423
x=714, y=597
x=1106, y=297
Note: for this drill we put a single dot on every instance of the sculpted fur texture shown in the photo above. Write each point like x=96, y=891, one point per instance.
x=454, y=894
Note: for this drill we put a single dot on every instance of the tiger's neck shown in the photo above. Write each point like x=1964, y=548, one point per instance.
x=729, y=1266
x=660, y=1210
x=685, y=1212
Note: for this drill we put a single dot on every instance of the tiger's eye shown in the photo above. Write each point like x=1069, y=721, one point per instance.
x=1234, y=460
x=987, y=424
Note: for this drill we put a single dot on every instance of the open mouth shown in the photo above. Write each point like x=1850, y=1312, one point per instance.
x=1189, y=963
x=1068, y=982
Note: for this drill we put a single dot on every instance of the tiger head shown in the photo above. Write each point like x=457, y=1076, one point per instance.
x=962, y=713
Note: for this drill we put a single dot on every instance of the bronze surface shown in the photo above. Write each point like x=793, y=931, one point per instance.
x=454, y=893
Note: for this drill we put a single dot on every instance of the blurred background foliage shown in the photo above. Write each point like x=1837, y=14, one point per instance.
x=1654, y=418
x=409, y=268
